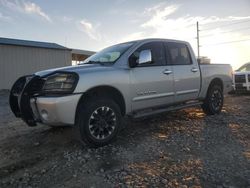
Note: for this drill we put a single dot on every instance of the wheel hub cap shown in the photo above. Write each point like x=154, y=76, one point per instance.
x=216, y=99
x=102, y=123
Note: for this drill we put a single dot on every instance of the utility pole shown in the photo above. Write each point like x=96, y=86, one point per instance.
x=198, y=39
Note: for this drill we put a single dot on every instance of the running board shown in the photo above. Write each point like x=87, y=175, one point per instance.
x=150, y=112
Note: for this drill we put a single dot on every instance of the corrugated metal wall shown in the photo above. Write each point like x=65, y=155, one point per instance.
x=16, y=61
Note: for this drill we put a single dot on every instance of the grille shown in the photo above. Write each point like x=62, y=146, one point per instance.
x=240, y=87
x=240, y=79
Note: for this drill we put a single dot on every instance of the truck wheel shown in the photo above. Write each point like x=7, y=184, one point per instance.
x=99, y=121
x=214, y=100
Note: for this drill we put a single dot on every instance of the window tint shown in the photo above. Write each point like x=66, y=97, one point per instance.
x=179, y=54
x=157, y=50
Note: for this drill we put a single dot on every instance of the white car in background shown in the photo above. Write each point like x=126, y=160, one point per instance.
x=241, y=79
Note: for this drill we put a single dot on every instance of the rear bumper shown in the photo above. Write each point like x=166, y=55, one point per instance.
x=26, y=103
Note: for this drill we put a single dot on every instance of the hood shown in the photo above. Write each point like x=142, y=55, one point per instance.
x=241, y=73
x=77, y=69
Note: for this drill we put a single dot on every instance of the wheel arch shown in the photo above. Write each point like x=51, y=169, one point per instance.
x=216, y=81
x=105, y=91
x=206, y=106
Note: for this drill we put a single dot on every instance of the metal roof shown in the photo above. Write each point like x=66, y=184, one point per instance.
x=82, y=52
x=18, y=42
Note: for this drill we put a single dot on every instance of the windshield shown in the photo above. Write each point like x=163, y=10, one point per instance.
x=244, y=68
x=108, y=55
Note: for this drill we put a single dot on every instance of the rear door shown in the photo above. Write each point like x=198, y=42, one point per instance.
x=152, y=83
x=186, y=72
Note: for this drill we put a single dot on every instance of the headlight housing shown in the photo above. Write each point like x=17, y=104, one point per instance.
x=60, y=82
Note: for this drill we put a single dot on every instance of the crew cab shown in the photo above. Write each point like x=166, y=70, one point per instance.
x=132, y=79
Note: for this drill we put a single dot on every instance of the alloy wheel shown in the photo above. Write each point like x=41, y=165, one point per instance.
x=216, y=99
x=102, y=122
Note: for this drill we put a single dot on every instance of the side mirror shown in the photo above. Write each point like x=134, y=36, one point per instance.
x=132, y=61
x=145, y=57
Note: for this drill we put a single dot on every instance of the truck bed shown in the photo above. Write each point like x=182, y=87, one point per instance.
x=212, y=71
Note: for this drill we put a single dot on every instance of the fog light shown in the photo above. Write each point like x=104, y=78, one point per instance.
x=44, y=114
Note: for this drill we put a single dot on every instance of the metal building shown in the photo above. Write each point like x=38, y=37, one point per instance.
x=22, y=57
x=80, y=55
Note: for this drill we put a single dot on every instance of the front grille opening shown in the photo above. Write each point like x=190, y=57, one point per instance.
x=240, y=79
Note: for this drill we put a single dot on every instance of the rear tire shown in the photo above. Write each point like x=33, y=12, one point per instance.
x=214, y=100
x=98, y=121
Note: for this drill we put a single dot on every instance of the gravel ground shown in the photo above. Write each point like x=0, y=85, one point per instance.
x=177, y=149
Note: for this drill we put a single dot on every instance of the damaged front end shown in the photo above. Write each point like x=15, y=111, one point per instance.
x=45, y=99
x=22, y=91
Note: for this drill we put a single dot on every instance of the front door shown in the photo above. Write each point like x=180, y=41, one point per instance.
x=152, y=83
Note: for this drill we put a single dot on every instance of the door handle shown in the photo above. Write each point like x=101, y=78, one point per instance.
x=194, y=69
x=167, y=72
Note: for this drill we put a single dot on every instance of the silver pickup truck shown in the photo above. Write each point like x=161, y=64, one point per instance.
x=132, y=79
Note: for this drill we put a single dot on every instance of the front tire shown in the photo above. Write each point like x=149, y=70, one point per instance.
x=99, y=121
x=214, y=100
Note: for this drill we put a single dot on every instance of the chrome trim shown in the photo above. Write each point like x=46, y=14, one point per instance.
x=153, y=96
x=145, y=57
x=194, y=70
x=146, y=93
x=187, y=92
x=167, y=72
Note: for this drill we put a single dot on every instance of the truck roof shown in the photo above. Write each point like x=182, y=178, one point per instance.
x=158, y=39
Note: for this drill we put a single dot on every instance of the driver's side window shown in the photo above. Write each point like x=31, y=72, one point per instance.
x=157, y=51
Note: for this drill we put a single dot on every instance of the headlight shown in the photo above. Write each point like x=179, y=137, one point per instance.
x=60, y=82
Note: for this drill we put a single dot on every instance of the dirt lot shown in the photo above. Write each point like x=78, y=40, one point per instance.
x=177, y=149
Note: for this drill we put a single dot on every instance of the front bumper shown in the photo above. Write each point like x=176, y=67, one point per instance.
x=241, y=87
x=241, y=82
x=26, y=103
x=55, y=110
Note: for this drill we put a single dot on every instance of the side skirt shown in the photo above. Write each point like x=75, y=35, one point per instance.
x=153, y=111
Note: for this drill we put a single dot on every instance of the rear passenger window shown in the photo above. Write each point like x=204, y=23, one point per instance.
x=179, y=54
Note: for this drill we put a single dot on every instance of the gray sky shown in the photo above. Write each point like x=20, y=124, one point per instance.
x=93, y=24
